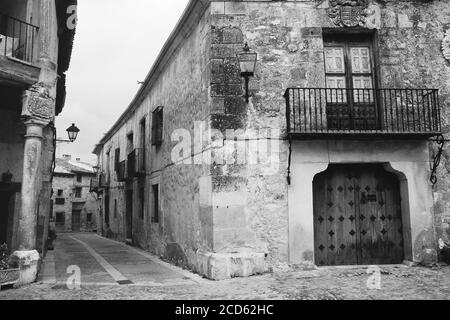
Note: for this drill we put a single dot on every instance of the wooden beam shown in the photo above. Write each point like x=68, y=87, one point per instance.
x=17, y=73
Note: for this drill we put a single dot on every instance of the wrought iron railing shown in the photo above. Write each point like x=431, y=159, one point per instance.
x=136, y=163
x=17, y=38
x=382, y=111
x=103, y=180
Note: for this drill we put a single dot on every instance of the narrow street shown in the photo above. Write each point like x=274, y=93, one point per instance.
x=105, y=262
x=112, y=270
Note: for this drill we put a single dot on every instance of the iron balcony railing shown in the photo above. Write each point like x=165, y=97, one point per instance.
x=136, y=163
x=17, y=38
x=103, y=180
x=311, y=111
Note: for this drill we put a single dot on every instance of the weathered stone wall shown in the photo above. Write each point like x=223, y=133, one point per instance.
x=230, y=218
x=287, y=35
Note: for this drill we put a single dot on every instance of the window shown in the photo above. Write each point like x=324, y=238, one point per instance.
x=157, y=127
x=156, y=206
x=79, y=177
x=142, y=203
x=78, y=192
x=142, y=156
x=116, y=159
x=60, y=192
x=60, y=201
x=89, y=217
x=350, y=78
x=108, y=163
x=130, y=142
x=115, y=208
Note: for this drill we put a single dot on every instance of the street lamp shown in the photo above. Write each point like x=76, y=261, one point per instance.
x=72, y=132
x=247, y=64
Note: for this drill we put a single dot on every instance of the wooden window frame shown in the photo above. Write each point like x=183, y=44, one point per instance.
x=76, y=193
x=116, y=159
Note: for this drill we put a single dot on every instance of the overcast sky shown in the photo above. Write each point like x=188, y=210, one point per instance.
x=116, y=43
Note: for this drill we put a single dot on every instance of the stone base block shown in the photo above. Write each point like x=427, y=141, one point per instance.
x=28, y=262
x=217, y=266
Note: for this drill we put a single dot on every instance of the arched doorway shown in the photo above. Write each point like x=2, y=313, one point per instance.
x=357, y=216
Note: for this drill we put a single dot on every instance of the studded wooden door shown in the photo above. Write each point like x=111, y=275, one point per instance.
x=357, y=216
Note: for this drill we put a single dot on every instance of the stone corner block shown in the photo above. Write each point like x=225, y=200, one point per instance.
x=216, y=266
x=28, y=262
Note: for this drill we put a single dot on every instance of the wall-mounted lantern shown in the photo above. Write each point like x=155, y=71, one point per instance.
x=247, y=64
x=72, y=133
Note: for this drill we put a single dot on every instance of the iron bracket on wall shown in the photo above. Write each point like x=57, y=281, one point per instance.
x=289, y=161
x=440, y=140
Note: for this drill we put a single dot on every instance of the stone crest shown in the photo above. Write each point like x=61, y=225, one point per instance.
x=38, y=103
x=446, y=45
x=348, y=13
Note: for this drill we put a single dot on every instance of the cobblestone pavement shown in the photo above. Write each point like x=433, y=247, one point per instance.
x=157, y=280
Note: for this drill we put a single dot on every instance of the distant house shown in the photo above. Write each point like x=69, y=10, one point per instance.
x=74, y=207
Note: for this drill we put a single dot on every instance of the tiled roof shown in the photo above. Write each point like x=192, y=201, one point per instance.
x=65, y=167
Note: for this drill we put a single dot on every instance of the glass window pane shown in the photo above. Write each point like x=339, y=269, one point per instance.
x=336, y=95
x=363, y=82
x=360, y=57
x=334, y=60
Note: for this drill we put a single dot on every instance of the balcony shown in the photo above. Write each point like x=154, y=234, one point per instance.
x=17, y=38
x=136, y=163
x=103, y=180
x=94, y=186
x=388, y=113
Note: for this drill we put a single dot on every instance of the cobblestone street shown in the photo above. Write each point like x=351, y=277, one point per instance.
x=103, y=261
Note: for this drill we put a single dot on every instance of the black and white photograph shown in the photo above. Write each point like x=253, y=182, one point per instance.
x=203, y=153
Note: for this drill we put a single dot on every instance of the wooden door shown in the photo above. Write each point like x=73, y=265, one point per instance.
x=76, y=220
x=60, y=222
x=357, y=216
x=350, y=78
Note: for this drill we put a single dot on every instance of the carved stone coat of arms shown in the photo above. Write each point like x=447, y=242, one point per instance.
x=446, y=45
x=348, y=13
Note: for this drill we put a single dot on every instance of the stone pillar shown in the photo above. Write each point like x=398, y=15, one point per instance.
x=37, y=113
x=26, y=238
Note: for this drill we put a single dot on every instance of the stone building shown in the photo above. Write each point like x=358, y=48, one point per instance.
x=36, y=38
x=74, y=206
x=327, y=163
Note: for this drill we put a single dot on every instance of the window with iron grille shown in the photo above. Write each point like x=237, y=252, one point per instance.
x=157, y=127
x=79, y=177
x=60, y=201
